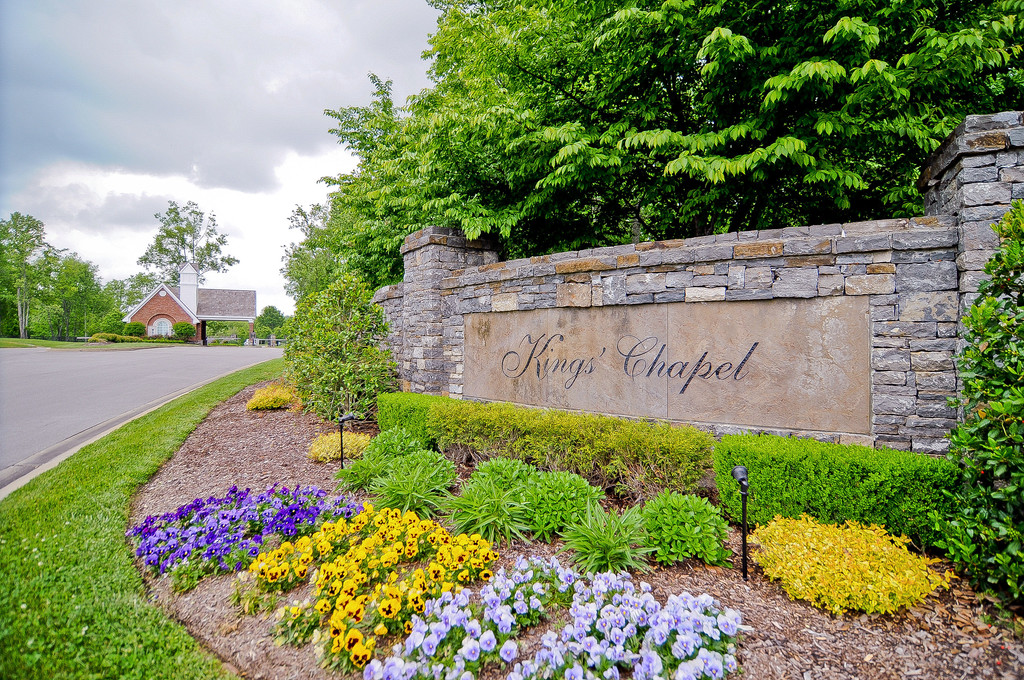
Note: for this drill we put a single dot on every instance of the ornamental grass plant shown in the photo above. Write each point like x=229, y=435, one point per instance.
x=328, y=446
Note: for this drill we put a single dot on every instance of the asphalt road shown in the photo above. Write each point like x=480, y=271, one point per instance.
x=53, y=401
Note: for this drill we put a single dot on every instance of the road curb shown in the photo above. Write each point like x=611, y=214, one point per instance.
x=15, y=476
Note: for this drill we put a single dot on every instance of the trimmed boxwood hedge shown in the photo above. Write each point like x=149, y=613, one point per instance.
x=408, y=410
x=835, y=483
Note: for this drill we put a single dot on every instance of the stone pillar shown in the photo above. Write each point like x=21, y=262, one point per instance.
x=973, y=176
x=431, y=255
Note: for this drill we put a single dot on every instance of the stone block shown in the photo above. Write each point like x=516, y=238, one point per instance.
x=749, y=294
x=831, y=284
x=889, y=377
x=926, y=276
x=940, y=381
x=973, y=259
x=862, y=244
x=925, y=238
x=930, y=445
x=614, y=289
x=796, y=282
x=857, y=440
x=992, y=121
x=678, y=279
x=894, y=404
x=712, y=253
x=984, y=213
x=883, y=312
x=757, y=249
x=936, y=410
x=881, y=268
x=870, y=284
x=937, y=345
x=912, y=329
x=928, y=306
x=584, y=265
x=1018, y=191
x=978, y=235
x=710, y=281
x=1006, y=159
x=645, y=283
x=974, y=175
x=815, y=246
x=758, y=277
x=890, y=360
x=505, y=302
x=695, y=294
x=931, y=361
x=736, y=277
x=985, y=194
x=630, y=260
x=676, y=295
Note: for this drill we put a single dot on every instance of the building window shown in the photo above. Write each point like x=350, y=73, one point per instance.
x=161, y=327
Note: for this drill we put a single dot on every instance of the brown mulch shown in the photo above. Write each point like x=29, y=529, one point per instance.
x=945, y=637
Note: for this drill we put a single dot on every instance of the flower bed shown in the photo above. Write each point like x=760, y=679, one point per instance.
x=386, y=575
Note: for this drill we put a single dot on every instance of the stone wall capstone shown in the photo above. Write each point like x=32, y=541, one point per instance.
x=917, y=276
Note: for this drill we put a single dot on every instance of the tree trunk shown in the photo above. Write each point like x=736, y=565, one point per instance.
x=22, y=314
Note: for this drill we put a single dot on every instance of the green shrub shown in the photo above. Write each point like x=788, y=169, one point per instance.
x=835, y=483
x=507, y=472
x=838, y=568
x=607, y=541
x=335, y=358
x=984, y=531
x=183, y=330
x=135, y=329
x=104, y=337
x=416, y=482
x=378, y=457
x=556, y=500
x=638, y=458
x=408, y=410
x=683, y=526
x=490, y=508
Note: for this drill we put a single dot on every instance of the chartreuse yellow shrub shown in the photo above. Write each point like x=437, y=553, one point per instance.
x=326, y=447
x=844, y=567
x=275, y=395
x=360, y=592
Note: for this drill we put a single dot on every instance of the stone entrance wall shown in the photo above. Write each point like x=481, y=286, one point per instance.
x=853, y=326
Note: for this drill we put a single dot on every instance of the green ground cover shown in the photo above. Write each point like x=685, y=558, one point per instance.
x=72, y=603
x=8, y=343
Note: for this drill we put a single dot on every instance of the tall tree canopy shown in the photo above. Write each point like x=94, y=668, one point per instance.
x=186, y=234
x=22, y=241
x=559, y=125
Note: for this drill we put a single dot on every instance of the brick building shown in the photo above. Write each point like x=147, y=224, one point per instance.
x=168, y=305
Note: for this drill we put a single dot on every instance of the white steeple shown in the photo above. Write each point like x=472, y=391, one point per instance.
x=188, y=284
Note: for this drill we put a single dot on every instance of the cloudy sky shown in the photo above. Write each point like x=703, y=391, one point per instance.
x=111, y=108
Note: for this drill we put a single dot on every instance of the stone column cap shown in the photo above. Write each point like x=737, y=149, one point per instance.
x=445, y=236
x=978, y=134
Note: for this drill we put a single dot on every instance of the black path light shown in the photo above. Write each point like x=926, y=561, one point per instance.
x=739, y=473
x=342, y=419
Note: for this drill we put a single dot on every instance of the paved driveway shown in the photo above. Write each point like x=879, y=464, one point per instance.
x=52, y=401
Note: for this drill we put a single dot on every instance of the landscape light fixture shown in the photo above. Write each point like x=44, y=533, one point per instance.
x=739, y=473
x=342, y=419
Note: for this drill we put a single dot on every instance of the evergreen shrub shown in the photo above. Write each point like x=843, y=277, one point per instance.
x=135, y=329
x=637, y=458
x=557, y=500
x=183, y=330
x=408, y=410
x=835, y=483
x=984, y=532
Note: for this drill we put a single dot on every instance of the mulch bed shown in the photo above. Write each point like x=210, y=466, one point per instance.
x=945, y=637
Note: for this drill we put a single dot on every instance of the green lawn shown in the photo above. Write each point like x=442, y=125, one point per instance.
x=72, y=603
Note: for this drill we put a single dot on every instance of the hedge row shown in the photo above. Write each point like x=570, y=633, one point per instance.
x=636, y=458
x=835, y=483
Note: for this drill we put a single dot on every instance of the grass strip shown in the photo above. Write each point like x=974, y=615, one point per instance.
x=72, y=604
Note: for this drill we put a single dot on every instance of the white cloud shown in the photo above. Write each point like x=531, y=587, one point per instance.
x=110, y=108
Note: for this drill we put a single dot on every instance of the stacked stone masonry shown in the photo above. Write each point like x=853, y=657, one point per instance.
x=918, y=275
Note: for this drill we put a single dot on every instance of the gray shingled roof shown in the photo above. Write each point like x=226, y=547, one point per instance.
x=218, y=302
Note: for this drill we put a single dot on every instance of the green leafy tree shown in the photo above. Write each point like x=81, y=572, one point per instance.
x=335, y=355
x=22, y=240
x=186, y=234
x=271, y=318
x=985, y=536
x=314, y=262
x=72, y=294
x=557, y=125
x=126, y=293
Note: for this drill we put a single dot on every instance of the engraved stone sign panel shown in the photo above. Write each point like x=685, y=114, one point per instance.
x=796, y=364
